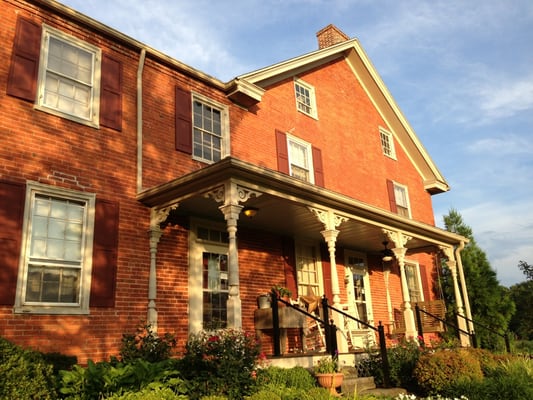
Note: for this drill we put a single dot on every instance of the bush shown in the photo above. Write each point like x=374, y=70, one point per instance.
x=220, y=363
x=296, y=377
x=146, y=345
x=24, y=374
x=436, y=371
x=149, y=394
x=106, y=379
x=511, y=379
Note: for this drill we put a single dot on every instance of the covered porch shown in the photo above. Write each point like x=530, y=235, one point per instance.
x=289, y=207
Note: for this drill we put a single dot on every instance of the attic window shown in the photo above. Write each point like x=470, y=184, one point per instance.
x=305, y=98
x=387, y=143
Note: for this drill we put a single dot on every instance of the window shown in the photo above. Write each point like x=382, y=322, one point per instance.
x=210, y=142
x=358, y=287
x=57, y=251
x=305, y=98
x=387, y=143
x=402, y=200
x=69, y=76
x=208, y=277
x=300, y=159
x=308, y=272
x=413, y=283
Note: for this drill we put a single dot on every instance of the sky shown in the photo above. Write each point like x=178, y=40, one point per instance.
x=460, y=71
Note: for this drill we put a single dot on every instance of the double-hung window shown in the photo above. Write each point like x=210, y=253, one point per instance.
x=210, y=130
x=69, y=77
x=300, y=159
x=57, y=252
x=305, y=98
x=387, y=143
x=412, y=273
x=401, y=197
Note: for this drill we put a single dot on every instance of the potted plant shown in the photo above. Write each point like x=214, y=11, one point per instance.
x=264, y=300
x=327, y=374
x=282, y=292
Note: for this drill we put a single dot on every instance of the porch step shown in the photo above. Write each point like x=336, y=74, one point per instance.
x=352, y=384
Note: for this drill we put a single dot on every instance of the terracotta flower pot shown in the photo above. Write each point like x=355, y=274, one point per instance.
x=330, y=381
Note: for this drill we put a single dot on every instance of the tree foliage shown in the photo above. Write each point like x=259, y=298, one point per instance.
x=522, y=294
x=490, y=303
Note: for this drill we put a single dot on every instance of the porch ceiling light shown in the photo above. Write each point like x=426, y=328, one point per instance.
x=250, y=212
x=387, y=254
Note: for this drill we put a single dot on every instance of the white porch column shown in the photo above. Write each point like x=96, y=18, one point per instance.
x=464, y=290
x=231, y=194
x=231, y=214
x=330, y=233
x=461, y=322
x=400, y=240
x=386, y=275
x=157, y=217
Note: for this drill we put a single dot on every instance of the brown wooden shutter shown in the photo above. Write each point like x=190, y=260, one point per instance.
x=22, y=80
x=425, y=283
x=183, y=121
x=105, y=249
x=392, y=197
x=317, y=166
x=282, y=152
x=11, y=216
x=289, y=259
x=111, y=93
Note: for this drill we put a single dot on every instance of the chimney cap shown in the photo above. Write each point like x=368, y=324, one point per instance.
x=329, y=36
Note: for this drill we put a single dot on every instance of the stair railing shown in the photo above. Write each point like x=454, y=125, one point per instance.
x=381, y=334
x=505, y=335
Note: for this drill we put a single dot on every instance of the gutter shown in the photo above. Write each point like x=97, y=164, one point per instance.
x=140, y=121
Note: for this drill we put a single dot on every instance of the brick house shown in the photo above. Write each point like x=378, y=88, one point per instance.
x=137, y=189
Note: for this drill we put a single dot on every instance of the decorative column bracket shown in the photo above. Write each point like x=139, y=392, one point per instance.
x=231, y=193
x=157, y=217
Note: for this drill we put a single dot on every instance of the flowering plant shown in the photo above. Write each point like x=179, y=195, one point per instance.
x=326, y=365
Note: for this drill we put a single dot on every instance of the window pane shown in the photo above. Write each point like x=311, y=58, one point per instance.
x=52, y=285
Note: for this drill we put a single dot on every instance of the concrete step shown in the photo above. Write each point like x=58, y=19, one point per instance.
x=352, y=384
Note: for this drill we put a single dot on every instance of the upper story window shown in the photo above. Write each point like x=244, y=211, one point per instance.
x=300, y=159
x=210, y=130
x=305, y=98
x=55, y=273
x=401, y=197
x=69, y=77
x=387, y=143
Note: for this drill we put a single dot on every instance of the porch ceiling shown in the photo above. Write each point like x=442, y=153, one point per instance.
x=283, y=207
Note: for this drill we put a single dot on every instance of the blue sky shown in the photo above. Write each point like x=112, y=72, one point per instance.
x=461, y=72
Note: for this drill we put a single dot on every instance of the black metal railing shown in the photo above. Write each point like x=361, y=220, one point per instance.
x=473, y=336
x=381, y=334
x=419, y=311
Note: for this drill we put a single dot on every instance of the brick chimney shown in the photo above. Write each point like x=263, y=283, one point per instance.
x=329, y=36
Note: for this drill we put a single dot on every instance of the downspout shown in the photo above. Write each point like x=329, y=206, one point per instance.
x=466, y=302
x=140, y=120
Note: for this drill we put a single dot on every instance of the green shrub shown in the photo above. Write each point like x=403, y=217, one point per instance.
x=146, y=345
x=436, y=371
x=105, y=379
x=220, y=362
x=296, y=377
x=24, y=374
x=149, y=394
x=511, y=379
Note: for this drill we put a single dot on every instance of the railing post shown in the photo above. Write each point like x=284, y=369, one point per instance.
x=419, y=326
x=507, y=342
x=327, y=326
x=384, y=357
x=474, y=339
x=275, y=323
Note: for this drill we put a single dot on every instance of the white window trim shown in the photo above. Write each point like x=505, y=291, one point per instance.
x=383, y=131
x=416, y=266
x=196, y=292
x=399, y=185
x=94, y=120
x=309, y=148
x=366, y=279
x=300, y=244
x=224, y=115
x=312, y=98
x=33, y=188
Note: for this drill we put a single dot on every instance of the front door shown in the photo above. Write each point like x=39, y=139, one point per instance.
x=359, y=300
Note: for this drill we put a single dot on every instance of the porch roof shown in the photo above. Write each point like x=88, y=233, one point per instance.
x=284, y=207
